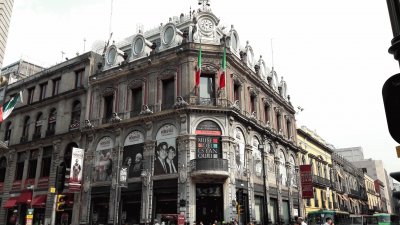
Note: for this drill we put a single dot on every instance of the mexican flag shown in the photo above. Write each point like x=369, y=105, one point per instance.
x=223, y=73
x=198, y=71
x=7, y=108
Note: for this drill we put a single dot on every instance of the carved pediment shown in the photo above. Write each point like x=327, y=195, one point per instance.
x=209, y=68
x=168, y=72
x=254, y=91
x=136, y=83
x=108, y=91
x=267, y=101
x=237, y=79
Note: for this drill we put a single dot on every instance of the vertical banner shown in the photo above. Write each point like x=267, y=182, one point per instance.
x=306, y=181
x=75, y=180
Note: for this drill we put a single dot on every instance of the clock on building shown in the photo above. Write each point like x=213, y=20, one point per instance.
x=206, y=25
x=111, y=55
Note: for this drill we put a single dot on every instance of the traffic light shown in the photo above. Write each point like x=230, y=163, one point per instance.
x=396, y=176
x=60, y=178
x=61, y=202
x=391, y=100
x=240, y=209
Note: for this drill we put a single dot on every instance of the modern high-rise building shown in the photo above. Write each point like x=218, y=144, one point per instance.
x=5, y=18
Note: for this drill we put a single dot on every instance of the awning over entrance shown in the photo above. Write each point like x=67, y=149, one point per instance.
x=11, y=202
x=39, y=201
x=25, y=197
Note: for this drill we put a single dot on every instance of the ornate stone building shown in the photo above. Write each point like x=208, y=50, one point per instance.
x=40, y=133
x=191, y=149
x=187, y=148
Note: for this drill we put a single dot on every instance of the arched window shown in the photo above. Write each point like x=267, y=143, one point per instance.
x=25, y=130
x=51, y=127
x=3, y=167
x=282, y=168
x=7, y=132
x=38, y=126
x=293, y=174
x=75, y=115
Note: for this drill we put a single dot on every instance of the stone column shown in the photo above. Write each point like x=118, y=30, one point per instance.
x=279, y=187
x=250, y=180
x=290, y=190
x=147, y=182
x=228, y=153
x=57, y=158
x=300, y=196
x=186, y=189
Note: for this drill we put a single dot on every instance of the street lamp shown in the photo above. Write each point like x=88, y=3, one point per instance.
x=261, y=148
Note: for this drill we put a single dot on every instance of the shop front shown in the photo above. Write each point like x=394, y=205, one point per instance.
x=131, y=199
x=100, y=205
x=209, y=203
x=165, y=200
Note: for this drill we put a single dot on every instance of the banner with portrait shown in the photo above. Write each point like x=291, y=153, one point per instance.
x=166, y=155
x=240, y=145
x=257, y=157
x=103, y=160
x=133, y=154
x=75, y=180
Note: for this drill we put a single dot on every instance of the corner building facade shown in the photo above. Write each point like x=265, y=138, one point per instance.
x=189, y=150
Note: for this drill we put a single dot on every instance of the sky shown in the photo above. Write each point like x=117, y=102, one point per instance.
x=332, y=54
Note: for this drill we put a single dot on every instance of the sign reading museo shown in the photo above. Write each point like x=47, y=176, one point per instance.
x=306, y=181
x=75, y=181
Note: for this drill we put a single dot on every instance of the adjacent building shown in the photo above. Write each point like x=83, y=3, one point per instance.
x=317, y=153
x=374, y=201
x=352, y=154
x=6, y=7
x=190, y=145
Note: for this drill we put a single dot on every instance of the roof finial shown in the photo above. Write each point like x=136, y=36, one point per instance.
x=206, y=4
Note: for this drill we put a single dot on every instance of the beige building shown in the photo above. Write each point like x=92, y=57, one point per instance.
x=374, y=202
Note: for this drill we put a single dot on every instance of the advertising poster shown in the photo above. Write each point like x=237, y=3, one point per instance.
x=133, y=154
x=103, y=160
x=75, y=181
x=166, y=158
x=306, y=181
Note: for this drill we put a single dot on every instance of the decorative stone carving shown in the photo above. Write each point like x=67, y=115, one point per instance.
x=236, y=106
x=149, y=125
x=209, y=68
x=115, y=118
x=88, y=125
x=108, y=91
x=180, y=103
x=145, y=110
x=183, y=118
x=136, y=83
x=231, y=120
x=253, y=91
x=182, y=174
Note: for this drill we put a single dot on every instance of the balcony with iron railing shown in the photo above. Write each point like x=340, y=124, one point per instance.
x=354, y=193
x=317, y=180
x=209, y=168
x=74, y=125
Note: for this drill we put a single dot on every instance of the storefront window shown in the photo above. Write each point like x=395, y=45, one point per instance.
x=273, y=210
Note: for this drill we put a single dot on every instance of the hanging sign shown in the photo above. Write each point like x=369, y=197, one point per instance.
x=306, y=181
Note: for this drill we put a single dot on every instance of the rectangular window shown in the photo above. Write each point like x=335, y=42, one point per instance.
x=46, y=162
x=207, y=89
x=43, y=88
x=168, y=93
x=7, y=132
x=137, y=96
x=266, y=113
x=252, y=103
x=278, y=122
x=19, y=171
x=236, y=93
x=56, y=86
x=78, y=78
x=108, y=106
x=31, y=93
x=288, y=128
x=32, y=164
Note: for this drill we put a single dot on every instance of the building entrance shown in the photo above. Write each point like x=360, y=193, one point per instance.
x=209, y=203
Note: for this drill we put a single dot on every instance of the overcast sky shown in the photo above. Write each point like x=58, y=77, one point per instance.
x=333, y=54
